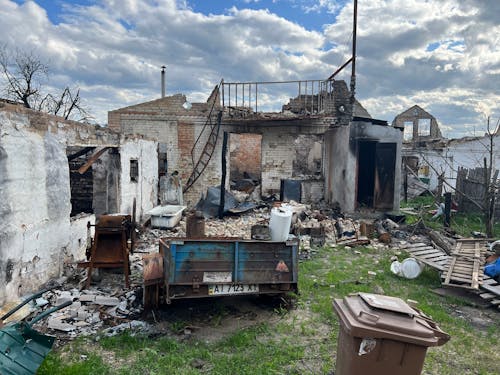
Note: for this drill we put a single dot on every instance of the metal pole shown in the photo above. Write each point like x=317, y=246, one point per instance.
x=163, y=81
x=255, y=96
x=353, y=66
x=223, y=177
x=447, y=209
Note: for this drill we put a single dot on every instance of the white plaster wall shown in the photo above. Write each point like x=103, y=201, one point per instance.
x=79, y=238
x=35, y=207
x=145, y=190
x=37, y=236
x=459, y=153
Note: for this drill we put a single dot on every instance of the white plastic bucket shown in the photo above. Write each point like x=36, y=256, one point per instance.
x=279, y=224
x=409, y=268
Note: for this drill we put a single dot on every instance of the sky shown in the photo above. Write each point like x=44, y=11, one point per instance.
x=443, y=55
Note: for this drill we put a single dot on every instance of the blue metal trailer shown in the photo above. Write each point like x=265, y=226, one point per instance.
x=210, y=267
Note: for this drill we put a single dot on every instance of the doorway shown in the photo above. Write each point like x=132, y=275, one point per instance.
x=376, y=174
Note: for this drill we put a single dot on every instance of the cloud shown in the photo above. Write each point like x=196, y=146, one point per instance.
x=441, y=54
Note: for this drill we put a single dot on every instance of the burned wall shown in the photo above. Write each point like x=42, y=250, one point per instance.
x=359, y=151
x=37, y=236
x=308, y=158
x=245, y=155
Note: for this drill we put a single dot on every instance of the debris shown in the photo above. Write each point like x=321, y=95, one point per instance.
x=409, y=268
x=445, y=243
x=493, y=269
x=106, y=301
x=464, y=267
x=134, y=325
x=260, y=232
x=383, y=235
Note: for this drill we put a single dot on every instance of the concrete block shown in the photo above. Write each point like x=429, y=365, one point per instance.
x=106, y=301
x=87, y=297
x=59, y=325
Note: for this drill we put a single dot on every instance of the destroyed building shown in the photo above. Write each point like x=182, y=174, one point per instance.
x=352, y=161
x=427, y=156
x=56, y=175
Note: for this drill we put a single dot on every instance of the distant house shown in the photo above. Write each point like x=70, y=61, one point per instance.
x=426, y=155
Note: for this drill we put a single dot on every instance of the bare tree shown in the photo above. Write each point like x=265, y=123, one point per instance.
x=490, y=180
x=24, y=75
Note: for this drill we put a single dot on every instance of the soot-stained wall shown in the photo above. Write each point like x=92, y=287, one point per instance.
x=37, y=236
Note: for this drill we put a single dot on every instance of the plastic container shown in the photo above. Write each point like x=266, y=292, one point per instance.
x=381, y=335
x=166, y=216
x=409, y=268
x=279, y=224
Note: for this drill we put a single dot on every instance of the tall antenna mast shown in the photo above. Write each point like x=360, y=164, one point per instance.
x=353, y=66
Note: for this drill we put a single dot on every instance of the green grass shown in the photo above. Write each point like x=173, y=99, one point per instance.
x=302, y=340
x=463, y=223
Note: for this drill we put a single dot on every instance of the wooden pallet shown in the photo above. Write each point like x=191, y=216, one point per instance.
x=464, y=268
x=435, y=258
x=490, y=291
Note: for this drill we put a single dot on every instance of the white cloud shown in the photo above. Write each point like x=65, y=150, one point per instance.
x=443, y=54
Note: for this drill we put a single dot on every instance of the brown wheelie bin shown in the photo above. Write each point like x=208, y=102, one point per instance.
x=383, y=335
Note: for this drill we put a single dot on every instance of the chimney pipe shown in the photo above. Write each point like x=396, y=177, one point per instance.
x=163, y=81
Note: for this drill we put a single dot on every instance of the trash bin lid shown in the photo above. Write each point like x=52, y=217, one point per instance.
x=368, y=315
x=379, y=301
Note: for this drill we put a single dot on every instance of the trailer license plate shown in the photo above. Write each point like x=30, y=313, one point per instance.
x=226, y=289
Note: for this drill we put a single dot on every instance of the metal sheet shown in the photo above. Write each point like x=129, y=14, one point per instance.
x=248, y=262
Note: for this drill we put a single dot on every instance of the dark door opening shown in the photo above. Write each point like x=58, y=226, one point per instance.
x=385, y=162
x=366, y=173
x=81, y=184
x=376, y=174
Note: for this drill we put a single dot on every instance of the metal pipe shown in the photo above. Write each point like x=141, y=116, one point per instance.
x=353, y=66
x=163, y=81
x=255, y=96
x=340, y=69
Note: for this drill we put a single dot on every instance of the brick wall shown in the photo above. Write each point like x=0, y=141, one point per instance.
x=277, y=159
x=245, y=155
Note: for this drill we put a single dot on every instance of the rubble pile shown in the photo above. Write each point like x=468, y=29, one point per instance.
x=90, y=311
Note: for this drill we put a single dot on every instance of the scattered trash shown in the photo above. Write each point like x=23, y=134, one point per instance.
x=493, y=269
x=409, y=268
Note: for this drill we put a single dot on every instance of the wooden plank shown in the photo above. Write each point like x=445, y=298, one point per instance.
x=425, y=252
x=487, y=295
x=414, y=245
x=492, y=289
x=441, y=257
x=450, y=270
x=429, y=256
x=463, y=268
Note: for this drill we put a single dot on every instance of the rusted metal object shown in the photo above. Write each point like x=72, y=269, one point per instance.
x=110, y=245
x=260, y=232
x=196, y=268
x=195, y=225
x=153, y=279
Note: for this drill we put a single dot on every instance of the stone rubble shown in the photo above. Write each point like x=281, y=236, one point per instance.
x=110, y=308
